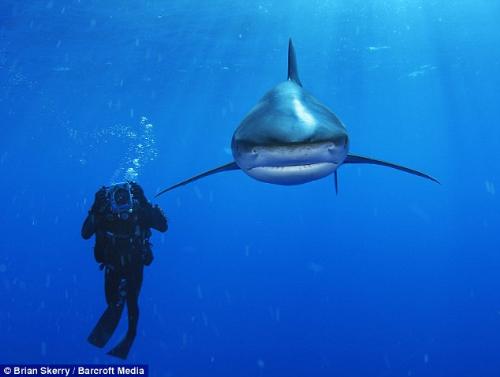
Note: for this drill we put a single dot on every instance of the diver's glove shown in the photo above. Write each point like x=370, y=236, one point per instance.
x=138, y=193
x=100, y=200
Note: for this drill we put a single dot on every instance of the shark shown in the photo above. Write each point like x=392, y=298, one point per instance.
x=291, y=138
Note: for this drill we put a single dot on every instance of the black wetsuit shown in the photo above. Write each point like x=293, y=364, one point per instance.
x=122, y=247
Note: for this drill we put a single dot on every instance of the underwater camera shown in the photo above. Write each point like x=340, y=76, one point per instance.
x=120, y=199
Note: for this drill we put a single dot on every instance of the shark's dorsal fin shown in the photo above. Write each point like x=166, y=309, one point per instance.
x=293, y=73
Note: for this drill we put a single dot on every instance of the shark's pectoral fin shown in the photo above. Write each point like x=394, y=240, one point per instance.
x=226, y=167
x=353, y=159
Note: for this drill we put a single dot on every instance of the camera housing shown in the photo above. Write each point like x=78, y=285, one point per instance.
x=120, y=199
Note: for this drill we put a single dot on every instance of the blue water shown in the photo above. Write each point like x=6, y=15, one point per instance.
x=395, y=276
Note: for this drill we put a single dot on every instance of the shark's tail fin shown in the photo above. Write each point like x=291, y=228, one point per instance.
x=353, y=159
x=293, y=73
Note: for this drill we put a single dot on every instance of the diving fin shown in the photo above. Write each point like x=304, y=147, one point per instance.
x=106, y=326
x=122, y=349
x=354, y=159
x=226, y=167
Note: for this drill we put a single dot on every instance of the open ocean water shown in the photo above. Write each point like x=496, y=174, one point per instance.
x=395, y=276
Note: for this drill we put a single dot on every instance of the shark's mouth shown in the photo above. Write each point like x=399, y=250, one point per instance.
x=290, y=164
x=292, y=174
x=294, y=167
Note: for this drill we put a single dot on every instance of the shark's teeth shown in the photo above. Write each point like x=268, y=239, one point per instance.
x=288, y=167
x=294, y=167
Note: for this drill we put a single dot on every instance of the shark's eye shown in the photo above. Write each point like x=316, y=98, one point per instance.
x=254, y=151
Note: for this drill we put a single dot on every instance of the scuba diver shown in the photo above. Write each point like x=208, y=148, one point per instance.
x=121, y=219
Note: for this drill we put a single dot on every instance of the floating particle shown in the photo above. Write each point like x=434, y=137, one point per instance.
x=315, y=267
x=420, y=213
x=43, y=348
x=378, y=48
x=3, y=267
x=260, y=363
x=490, y=187
x=198, y=193
x=423, y=69
x=61, y=68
